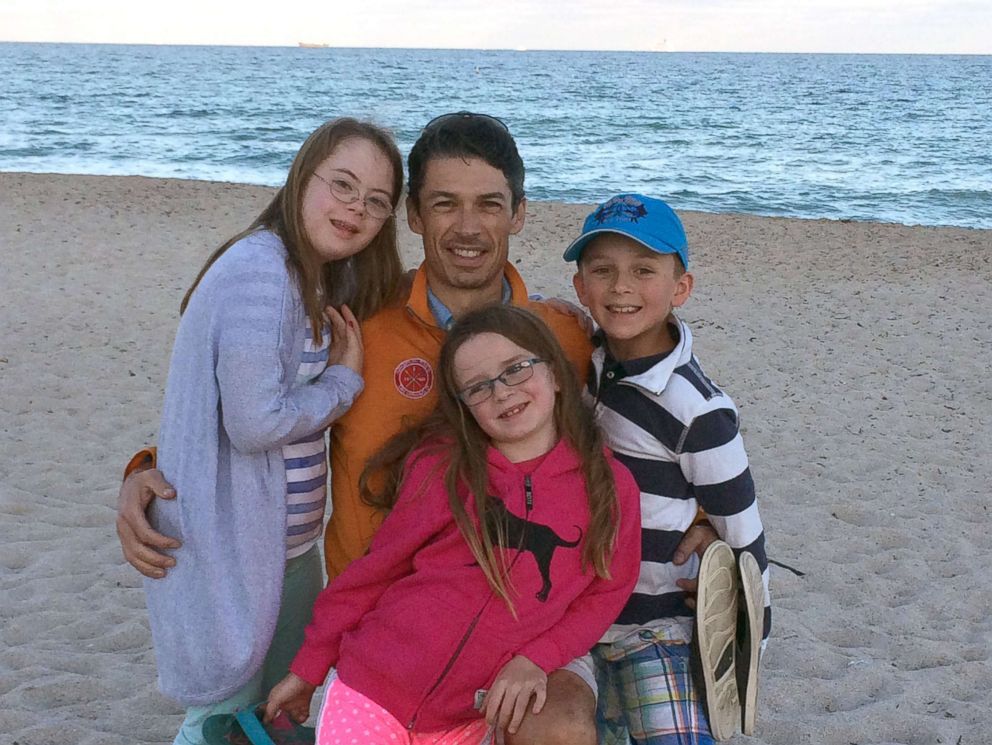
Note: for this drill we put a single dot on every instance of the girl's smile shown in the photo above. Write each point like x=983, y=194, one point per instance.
x=347, y=228
x=514, y=411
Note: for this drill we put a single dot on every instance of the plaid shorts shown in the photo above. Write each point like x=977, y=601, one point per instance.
x=646, y=690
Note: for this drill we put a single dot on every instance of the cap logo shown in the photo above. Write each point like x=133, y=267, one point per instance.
x=623, y=208
x=414, y=378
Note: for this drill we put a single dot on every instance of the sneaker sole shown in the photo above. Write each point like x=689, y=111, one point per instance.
x=752, y=615
x=716, y=636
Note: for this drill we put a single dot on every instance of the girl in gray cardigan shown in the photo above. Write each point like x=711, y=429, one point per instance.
x=256, y=376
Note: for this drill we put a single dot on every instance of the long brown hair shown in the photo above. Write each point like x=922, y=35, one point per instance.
x=367, y=280
x=453, y=430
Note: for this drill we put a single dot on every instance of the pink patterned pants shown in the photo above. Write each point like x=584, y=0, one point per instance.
x=349, y=718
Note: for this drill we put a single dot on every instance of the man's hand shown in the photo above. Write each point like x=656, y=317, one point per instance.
x=506, y=702
x=696, y=540
x=690, y=587
x=571, y=309
x=138, y=540
x=292, y=695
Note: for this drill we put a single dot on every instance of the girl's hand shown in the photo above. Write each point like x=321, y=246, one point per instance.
x=292, y=695
x=506, y=701
x=346, y=339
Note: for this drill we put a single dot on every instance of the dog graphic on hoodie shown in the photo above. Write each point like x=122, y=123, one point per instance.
x=525, y=535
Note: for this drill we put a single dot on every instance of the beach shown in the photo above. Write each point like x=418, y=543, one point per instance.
x=858, y=353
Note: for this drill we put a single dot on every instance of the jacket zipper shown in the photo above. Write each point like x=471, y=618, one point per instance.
x=451, y=662
x=529, y=501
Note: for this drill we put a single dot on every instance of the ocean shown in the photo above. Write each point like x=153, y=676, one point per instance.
x=892, y=138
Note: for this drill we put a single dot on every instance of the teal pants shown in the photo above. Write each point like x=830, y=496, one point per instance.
x=304, y=579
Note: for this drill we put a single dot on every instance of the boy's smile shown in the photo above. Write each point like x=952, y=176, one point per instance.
x=630, y=291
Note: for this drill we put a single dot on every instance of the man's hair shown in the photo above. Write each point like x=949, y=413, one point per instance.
x=465, y=136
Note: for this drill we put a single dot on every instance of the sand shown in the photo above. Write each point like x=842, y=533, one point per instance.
x=859, y=355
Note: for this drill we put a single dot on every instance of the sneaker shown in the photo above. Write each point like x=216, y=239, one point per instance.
x=715, y=638
x=749, y=630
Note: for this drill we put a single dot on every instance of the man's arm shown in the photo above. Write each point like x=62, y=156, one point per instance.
x=139, y=541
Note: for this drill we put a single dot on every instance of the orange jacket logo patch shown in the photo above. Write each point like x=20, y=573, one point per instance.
x=414, y=378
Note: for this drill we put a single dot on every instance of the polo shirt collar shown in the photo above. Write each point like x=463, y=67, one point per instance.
x=418, y=301
x=442, y=315
x=651, y=373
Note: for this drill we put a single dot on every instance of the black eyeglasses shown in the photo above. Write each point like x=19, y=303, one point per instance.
x=515, y=374
x=439, y=121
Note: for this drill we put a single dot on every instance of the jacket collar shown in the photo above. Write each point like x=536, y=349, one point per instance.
x=419, y=303
x=560, y=459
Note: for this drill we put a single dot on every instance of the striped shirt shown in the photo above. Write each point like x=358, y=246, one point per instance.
x=306, y=463
x=679, y=435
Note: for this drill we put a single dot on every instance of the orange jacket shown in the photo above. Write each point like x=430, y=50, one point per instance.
x=402, y=346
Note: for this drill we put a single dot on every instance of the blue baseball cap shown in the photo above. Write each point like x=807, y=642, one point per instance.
x=649, y=221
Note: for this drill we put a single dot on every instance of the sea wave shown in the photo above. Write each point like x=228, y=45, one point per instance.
x=892, y=138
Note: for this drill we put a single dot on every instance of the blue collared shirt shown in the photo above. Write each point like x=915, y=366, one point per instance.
x=443, y=315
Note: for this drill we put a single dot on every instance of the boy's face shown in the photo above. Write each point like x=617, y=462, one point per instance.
x=630, y=291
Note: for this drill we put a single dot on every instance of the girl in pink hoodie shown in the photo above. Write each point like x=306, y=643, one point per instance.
x=512, y=544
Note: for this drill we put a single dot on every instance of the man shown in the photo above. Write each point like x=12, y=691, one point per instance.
x=466, y=198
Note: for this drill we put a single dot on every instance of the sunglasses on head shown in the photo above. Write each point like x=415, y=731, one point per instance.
x=440, y=121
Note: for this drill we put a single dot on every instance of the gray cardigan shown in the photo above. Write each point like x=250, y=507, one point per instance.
x=229, y=408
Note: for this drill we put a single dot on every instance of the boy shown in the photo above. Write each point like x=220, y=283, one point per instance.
x=678, y=433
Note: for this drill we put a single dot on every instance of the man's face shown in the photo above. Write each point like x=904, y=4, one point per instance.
x=466, y=219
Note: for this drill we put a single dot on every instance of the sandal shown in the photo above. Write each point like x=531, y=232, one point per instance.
x=749, y=632
x=715, y=638
x=246, y=728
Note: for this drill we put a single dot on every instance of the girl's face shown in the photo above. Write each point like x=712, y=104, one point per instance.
x=338, y=229
x=519, y=419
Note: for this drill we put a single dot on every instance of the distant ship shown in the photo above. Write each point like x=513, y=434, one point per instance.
x=311, y=45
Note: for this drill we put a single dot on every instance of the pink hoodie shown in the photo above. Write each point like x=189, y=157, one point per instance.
x=414, y=625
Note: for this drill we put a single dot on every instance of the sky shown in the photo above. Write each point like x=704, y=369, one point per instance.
x=862, y=26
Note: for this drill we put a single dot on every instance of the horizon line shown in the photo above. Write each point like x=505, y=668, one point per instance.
x=317, y=46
